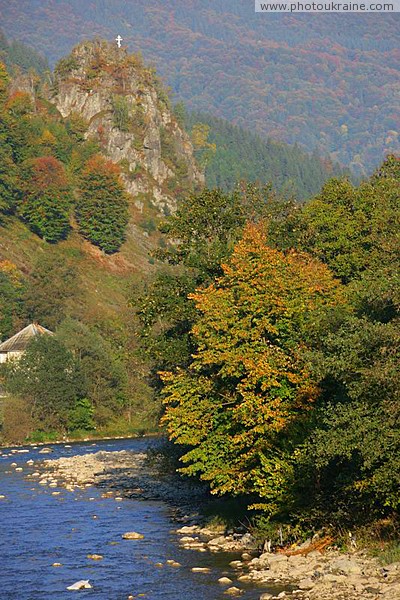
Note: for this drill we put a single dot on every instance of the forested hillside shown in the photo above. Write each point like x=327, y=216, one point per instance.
x=231, y=154
x=25, y=58
x=74, y=242
x=328, y=81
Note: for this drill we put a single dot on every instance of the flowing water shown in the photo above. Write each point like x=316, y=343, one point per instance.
x=39, y=529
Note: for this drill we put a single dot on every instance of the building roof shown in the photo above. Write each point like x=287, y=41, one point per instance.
x=19, y=341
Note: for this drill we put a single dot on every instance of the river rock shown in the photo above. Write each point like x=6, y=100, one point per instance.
x=233, y=591
x=186, y=539
x=82, y=584
x=218, y=541
x=56, y=564
x=224, y=580
x=246, y=556
x=174, y=564
x=346, y=566
x=236, y=564
x=95, y=556
x=306, y=584
x=244, y=578
x=266, y=596
x=188, y=529
x=132, y=535
x=201, y=570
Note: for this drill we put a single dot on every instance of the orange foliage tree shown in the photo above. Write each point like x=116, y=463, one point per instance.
x=46, y=197
x=242, y=403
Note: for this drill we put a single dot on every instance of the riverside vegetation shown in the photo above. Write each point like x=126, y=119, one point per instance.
x=268, y=329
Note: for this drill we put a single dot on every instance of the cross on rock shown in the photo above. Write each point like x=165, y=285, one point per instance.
x=118, y=39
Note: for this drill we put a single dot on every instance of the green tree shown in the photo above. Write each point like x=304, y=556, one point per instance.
x=9, y=188
x=47, y=376
x=46, y=198
x=355, y=229
x=4, y=82
x=102, y=207
x=11, y=293
x=348, y=467
x=103, y=372
x=81, y=415
x=51, y=289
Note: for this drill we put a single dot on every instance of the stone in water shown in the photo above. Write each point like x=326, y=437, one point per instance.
x=82, y=584
x=132, y=535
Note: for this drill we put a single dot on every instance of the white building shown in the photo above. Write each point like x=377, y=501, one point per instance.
x=14, y=347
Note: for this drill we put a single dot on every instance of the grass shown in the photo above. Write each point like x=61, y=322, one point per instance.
x=388, y=554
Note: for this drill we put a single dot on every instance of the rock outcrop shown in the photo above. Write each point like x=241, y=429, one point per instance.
x=126, y=109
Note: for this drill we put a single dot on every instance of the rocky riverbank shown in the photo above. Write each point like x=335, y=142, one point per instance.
x=305, y=574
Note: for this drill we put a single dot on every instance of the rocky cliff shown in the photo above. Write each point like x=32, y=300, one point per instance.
x=127, y=111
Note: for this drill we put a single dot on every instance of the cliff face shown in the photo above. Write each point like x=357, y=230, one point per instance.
x=127, y=110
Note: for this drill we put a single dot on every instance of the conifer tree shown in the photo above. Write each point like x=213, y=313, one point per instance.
x=8, y=173
x=102, y=207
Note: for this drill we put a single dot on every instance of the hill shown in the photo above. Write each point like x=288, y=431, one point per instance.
x=232, y=154
x=87, y=166
x=21, y=57
x=326, y=81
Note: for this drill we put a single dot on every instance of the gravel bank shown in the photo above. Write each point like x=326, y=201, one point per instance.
x=315, y=576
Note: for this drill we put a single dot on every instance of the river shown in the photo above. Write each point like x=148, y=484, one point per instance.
x=39, y=529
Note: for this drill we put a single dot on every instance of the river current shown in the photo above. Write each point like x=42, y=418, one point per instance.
x=39, y=529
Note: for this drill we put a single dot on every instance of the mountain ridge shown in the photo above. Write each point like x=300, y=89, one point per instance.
x=327, y=82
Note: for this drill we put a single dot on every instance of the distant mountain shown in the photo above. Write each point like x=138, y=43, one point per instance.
x=15, y=54
x=327, y=82
x=240, y=154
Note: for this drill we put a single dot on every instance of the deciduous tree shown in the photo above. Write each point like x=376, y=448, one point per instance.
x=46, y=198
x=242, y=402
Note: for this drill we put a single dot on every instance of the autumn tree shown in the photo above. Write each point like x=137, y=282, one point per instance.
x=199, y=236
x=241, y=404
x=102, y=207
x=46, y=198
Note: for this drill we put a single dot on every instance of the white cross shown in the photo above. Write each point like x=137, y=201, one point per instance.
x=119, y=39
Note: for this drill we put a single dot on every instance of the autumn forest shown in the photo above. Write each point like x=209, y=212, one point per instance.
x=253, y=321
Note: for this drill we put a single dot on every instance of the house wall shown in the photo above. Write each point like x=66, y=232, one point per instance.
x=4, y=356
